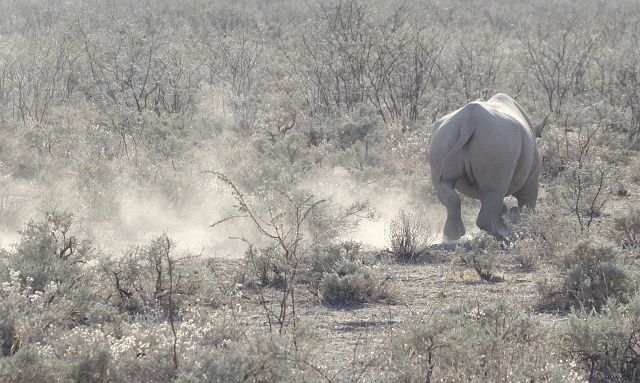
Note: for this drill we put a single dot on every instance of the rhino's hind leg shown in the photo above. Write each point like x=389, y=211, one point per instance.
x=490, y=218
x=453, y=228
x=528, y=195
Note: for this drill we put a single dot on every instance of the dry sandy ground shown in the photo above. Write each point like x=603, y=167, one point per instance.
x=360, y=334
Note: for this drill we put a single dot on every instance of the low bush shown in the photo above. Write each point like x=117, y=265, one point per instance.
x=267, y=265
x=606, y=345
x=589, y=274
x=30, y=365
x=151, y=277
x=263, y=359
x=48, y=252
x=352, y=283
x=477, y=341
x=482, y=256
x=528, y=252
x=408, y=237
x=626, y=230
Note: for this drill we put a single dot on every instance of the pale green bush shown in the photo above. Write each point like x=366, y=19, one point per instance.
x=589, y=274
x=626, y=229
x=606, y=345
x=351, y=282
x=478, y=341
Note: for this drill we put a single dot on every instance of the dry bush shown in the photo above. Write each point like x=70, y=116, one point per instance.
x=483, y=255
x=409, y=237
x=266, y=265
x=529, y=252
x=29, y=365
x=259, y=359
x=150, y=278
x=545, y=234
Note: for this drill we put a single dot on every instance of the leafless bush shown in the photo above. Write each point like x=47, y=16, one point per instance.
x=148, y=278
x=408, y=236
x=559, y=60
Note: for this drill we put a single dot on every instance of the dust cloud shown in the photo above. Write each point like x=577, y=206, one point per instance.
x=338, y=186
x=141, y=214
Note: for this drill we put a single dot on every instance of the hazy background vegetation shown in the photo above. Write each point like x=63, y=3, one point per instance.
x=115, y=116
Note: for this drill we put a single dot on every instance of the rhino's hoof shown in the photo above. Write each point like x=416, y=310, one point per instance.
x=453, y=231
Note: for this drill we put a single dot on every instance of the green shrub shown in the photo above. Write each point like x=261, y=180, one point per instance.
x=606, y=345
x=149, y=277
x=626, y=230
x=47, y=252
x=45, y=282
x=352, y=283
x=28, y=365
x=326, y=260
x=590, y=274
x=476, y=341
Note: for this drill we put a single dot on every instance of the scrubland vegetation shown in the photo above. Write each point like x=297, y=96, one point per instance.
x=137, y=136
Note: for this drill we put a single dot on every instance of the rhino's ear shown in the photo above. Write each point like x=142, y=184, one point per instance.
x=538, y=129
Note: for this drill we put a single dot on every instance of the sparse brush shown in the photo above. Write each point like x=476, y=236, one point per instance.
x=530, y=251
x=259, y=359
x=266, y=264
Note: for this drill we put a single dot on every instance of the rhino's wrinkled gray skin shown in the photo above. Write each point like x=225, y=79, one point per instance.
x=486, y=150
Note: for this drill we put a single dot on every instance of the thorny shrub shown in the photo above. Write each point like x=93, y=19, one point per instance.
x=147, y=277
x=266, y=265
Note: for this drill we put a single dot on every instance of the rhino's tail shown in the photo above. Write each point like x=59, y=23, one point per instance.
x=466, y=132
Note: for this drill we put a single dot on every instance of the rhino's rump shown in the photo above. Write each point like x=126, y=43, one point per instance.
x=484, y=146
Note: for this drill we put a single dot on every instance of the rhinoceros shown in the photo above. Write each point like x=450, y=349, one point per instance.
x=486, y=150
